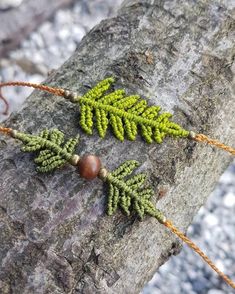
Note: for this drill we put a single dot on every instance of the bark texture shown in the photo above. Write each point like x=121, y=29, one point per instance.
x=18, y=23
x=55, y=236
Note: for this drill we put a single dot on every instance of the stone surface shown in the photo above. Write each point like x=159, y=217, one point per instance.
x=56, y=236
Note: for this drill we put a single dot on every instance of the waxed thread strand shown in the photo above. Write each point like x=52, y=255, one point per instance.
x=125, y=170
x=6, y=111
x=7, y=131
x=61, y=92
x=196, y=249
x=52, y=90
x=204, y=138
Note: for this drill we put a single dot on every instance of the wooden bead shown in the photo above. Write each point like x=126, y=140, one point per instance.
x=89, y=166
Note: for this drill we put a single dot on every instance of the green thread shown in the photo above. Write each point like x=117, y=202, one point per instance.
x=124, y=114
x=130, y=194
x=48, y=143
x=127, y=193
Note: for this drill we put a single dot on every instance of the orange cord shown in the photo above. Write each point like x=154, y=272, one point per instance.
x=169, y=225
x=7, y=131
x=55, y=91
x=203, y=138
x=6, y=111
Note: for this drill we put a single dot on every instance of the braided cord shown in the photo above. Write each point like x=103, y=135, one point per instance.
x=195, y=248
x=6, y=111
x=122, y=120
x=55, y=91
x=204, y=138
x=123, y=193
x=6, y=131
x=142, y=205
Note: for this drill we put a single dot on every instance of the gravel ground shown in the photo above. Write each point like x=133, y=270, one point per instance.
x=213, y=227
x=213, y=230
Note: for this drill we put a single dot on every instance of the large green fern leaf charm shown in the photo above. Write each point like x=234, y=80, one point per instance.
x=125, y=114
x=48, y=143
x=130, y=194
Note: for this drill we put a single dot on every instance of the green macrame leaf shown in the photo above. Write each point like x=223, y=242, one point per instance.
x=114, y=195
x=136, y=181
x=117, y=125
x=125, y=114
x=111, y=98
x=147, y=133
x=56, y=137
x=70, y=145
x=125, y=202
x=44, y=134
x=130, y=128
x=86, y=117
x=99, y=90
x=138, y=108
x=125, y=169
x=43, y=155
x=102, y=122
x=151, y=112
x=126, y=102
x=51, y=154
x=129, y=194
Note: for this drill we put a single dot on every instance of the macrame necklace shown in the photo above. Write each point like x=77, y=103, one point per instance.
x=129, y=194
x=125, y=114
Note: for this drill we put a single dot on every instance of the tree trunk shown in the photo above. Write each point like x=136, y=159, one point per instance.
x=55, y=234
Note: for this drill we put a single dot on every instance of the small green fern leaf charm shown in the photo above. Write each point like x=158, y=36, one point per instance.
x=48, y=144
x=125, y=115
x=130, y=194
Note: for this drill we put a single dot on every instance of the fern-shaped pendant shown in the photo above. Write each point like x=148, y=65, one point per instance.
x=48, y=143
x=126, y=193
x=130, y=193
x=125, y=114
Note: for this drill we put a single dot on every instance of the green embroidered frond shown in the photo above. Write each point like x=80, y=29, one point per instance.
x=130, y=194
x=125, y=114
x=48, y=144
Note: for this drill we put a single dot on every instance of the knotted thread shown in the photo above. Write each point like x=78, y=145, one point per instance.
x=195, y=248
x=52, y=90
x=204, y=138
x=7, y=131
x=51, y=146
x=125, y=114
x=5, y=112
x=129, y=194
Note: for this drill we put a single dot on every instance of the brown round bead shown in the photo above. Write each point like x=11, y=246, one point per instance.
x=89, y=166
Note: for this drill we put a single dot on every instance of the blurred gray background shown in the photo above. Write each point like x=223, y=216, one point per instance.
x=45, y=49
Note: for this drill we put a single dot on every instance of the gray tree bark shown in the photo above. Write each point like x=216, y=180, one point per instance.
x=55, y=235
